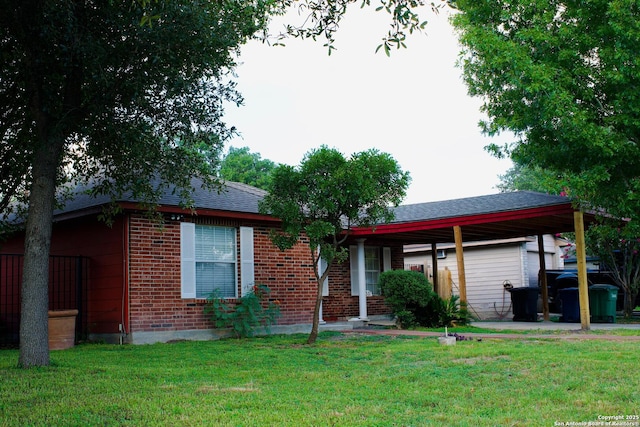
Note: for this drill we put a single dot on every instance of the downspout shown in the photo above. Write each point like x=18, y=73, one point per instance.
x=124, y=320
x=434, y=268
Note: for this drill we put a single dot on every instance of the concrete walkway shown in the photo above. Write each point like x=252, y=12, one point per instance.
x=551, y=326
x=535, y=330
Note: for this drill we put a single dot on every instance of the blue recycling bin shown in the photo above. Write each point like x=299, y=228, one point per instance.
x=570, y=300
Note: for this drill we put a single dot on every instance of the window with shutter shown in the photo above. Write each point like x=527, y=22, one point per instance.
x=208, y=261
x=374, y=258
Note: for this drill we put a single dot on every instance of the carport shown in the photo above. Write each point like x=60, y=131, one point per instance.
x=498, y=216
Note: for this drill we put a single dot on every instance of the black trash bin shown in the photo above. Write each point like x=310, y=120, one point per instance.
x=525, y=304
x=570, y=301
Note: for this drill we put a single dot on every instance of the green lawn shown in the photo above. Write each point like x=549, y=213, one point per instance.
x=343, y=380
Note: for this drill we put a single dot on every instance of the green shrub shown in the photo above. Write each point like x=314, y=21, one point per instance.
x=452, y=312
x=414, y=303
x=402, y=288
x=410, y=295
x=246, y=314
x=406, y=319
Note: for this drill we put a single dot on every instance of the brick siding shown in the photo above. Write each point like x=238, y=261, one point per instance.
x=341, y=305
x=154, y=282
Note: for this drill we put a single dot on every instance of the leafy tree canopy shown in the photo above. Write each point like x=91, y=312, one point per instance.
x=114, y=93
x=240, y=165
x=616, y=243
x=328, y=195
x=558, y=74
x=532, y=178
x=90, y=95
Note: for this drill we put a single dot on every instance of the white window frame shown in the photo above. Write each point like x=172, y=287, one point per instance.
x=372, y=272
x=188, y=260
x=227, y=257
x=384, y=261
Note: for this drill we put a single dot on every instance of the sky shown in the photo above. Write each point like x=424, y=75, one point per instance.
x=412, y=105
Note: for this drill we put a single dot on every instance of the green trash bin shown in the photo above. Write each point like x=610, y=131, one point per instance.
x=602, y=303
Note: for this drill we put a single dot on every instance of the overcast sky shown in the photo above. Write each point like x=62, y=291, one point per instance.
x=412, y=105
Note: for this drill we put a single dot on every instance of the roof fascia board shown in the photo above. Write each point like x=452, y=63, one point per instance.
x=204, y=212
x=133, y=207
x=492, y=217
x=478, y=243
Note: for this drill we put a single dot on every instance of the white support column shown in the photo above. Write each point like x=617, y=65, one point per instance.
x=320, y=319
x=362, y=281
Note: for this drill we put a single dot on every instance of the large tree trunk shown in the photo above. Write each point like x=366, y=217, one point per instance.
x=629, y=302
x=34, y=344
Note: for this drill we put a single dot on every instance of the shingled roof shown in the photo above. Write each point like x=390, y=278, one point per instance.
x=490, y=204
x=235, y=197
x=503, y=215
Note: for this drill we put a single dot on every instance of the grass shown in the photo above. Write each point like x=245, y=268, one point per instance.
x=342, y=380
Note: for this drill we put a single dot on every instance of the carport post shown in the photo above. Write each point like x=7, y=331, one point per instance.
x=462, y=280
x=583, y=289
x=543, y=278
x=434, y=265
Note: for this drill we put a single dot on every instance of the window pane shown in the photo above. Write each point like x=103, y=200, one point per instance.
x=372, y=269
x=373, y=278
x=215, y=261
x=215, y=243
x=372, y=259
x=215, y=275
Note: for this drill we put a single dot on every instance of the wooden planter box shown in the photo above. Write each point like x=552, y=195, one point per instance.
x=62, y=329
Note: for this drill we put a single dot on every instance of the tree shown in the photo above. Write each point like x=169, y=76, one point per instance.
x=240, y=165
x=321, y=19
x=557, y=74
x=615, y=242
x=522, y=177
x=325, y=197
x=91, y=95
x=618, y=248
x=114, y=93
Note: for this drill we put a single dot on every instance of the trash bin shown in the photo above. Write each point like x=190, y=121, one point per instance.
x=569, y=298
x=525, y=304
x=602, y=303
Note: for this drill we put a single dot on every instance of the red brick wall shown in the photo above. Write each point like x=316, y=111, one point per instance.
x=341, y=305
x=154, y=287
x=155, y=302
x=288, y=274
